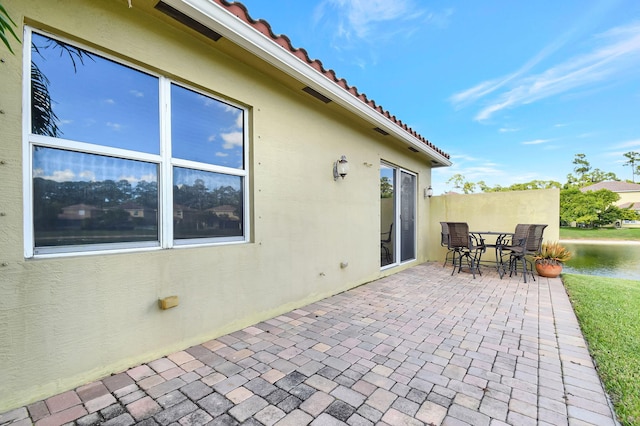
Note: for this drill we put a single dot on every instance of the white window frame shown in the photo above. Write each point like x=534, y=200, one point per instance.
x=164, y=161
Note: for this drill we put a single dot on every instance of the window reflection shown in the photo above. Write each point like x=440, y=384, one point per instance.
x=205, y=129
x=89, y=200
x=81, y=199
x=206, y=204
x=84, y=97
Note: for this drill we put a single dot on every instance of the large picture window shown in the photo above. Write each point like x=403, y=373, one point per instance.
x=119, y=158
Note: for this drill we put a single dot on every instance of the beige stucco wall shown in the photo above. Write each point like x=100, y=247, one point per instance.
x=495, y=211
x=628, y=197
x=65, y=321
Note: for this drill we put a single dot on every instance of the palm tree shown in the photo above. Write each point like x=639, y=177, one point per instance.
x=43, y=119
x=6, y=24
x=633, y=158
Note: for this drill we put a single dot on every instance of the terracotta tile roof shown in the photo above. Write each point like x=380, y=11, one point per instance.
x=613, y=185
x=240, y=10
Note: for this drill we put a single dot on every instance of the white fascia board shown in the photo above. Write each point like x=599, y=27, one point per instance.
x=236, y=30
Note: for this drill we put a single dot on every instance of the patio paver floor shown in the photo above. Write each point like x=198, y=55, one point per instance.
x=420, y=347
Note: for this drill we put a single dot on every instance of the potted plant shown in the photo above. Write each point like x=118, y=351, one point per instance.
x=550, y=258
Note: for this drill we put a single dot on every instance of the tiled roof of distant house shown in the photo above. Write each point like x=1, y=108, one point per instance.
x=632, y=206
x=613, y=185
x=239, y=10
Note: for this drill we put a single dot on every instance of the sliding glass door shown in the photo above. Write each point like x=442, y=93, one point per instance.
x=397, y=215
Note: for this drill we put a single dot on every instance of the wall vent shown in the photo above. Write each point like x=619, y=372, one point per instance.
x=316, y=94
x=381, y=131
x=412, y=149
x=188, y=21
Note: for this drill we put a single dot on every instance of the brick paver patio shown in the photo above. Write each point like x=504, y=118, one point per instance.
x=420, y=347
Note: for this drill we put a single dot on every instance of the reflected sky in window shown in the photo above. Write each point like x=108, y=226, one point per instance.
x=205, y=129
x=212, y=181
x=68, y=166
x=97, y=100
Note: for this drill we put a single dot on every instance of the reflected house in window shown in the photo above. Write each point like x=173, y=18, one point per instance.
x=77, y=213
x=183, y=214
x=227, y=216
x=136, y=210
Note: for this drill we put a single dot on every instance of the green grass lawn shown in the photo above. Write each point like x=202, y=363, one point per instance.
x=608, y=310
x=600, y=233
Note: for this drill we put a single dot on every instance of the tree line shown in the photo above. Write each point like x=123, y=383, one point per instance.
x=590, y=208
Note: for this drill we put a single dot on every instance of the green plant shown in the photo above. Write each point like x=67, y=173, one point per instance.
x=5, y=25
x=552, y=253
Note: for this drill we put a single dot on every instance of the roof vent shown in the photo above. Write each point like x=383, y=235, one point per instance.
x=188, y=21
x=316, y=94
x=412, y=149
x=381, y=131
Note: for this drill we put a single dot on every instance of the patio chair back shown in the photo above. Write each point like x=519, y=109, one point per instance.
x=520, y=236
x=534, y=239
x=458, y=234
x=444, y=234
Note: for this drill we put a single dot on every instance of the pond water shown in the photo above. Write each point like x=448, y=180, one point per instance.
x=609, y=260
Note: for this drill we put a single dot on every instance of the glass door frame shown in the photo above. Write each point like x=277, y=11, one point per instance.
x=397, y=234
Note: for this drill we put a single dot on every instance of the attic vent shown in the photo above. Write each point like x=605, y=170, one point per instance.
x=188, y=21
x=412, y=149
x=316, y=94
x=379, y=130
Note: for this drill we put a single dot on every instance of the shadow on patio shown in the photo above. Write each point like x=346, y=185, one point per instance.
x=420, y=347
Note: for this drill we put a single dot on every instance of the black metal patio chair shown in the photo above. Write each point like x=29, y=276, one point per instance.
x=444, y=242
x=513, y=251
x=384, y=242
x=534, y=243
x=465, y=246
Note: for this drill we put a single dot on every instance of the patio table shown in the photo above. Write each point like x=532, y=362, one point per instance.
x=497, y=239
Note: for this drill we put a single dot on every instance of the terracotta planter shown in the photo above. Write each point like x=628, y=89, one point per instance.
x=548, y=270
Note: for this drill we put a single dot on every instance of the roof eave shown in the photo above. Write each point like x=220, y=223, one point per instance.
x=212, y=15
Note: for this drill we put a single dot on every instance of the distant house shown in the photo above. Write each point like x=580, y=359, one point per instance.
x=629, y=192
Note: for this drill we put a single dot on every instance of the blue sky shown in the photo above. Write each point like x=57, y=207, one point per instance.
x=511, y=90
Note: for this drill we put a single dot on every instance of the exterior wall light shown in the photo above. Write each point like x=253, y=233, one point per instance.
x=428, y=192
x=340, y=168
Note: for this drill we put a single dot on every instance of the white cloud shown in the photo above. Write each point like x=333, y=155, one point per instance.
x=149, y=177
x=372, y=21
x=359, y=17
x=131, y=179
x=617, y=53
x=57, y=175
x=536, y=141
x=114, y=126
x=221, y=154
x=232, y=140
x=87, y=175
x=137, y=93
x=629, y=144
